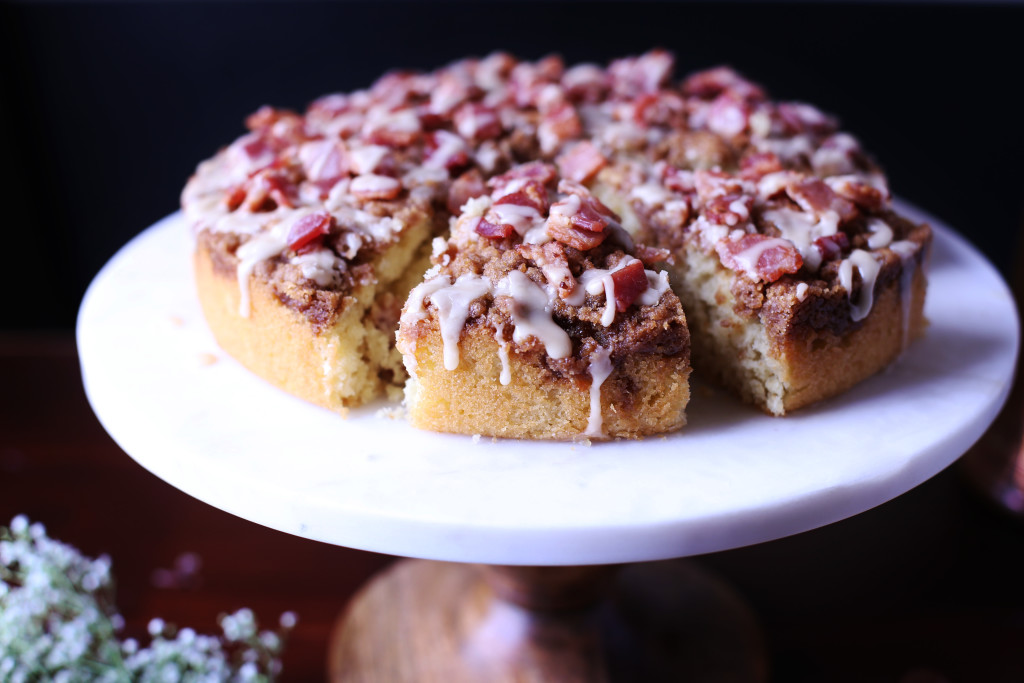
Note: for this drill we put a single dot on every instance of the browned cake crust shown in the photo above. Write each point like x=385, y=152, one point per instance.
x=644, y=395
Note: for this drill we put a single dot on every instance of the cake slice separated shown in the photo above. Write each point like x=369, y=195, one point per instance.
x=542, y=320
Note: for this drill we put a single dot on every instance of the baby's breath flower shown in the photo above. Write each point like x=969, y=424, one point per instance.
x=58, y=622
x=156, y=627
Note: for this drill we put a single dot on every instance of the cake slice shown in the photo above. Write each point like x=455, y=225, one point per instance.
x=542, y=320
x=798, y=277
x=303, y=259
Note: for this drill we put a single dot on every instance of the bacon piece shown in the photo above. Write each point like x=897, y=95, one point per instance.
x=532, y=194
x=372, y=186
x=662, y=108
x=329, y=106
x=429, y=120
x=728, y=116
x=453, y=89
x=492, y=231
x=586, y=83
x=561, y=229
x=535, y=170
x=815, y=196
x=589, y=218
x=811, y=194
x=371, y=159
x=527, y=81
x=554, y=263
x=277, y=127
x=467, y=186
x=759, y=257
x=235, y=197
x=651, y=255
x=578, y=221
x=798, y=118
x=832, y=246
x=582, y=162
x=647, y=73
x=839, y=154
x=325, y=162
x=677, y=179
x=492, y=71
x=710, y=184
x=256, y=149
x=729, y=209
x=266, y=116
x=308, y=228
x=713, y=82
x=630, y=282
x=397, y=129
x=475, y=121
x=858, y=191
x=268, y=189
x=550, y=68
x=759, y=164
x=446, y=150
x=395, y=89
x=566, y=186
x=558, y=125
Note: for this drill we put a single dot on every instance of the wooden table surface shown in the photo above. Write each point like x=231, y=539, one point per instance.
x=928, y=587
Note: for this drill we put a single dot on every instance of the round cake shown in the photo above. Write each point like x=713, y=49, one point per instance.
x=772, y=226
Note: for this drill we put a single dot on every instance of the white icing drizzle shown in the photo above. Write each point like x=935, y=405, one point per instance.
x=596, y=281
x=802, y=229
x=452, y=302
x=651, y=193
x=320, y=266
x=657, y=284
x=531, y=313
x=907, y=251
x=506, y=373
x=868, y=268
x=522, y=218
x=599, y=280
x=259, y=248
x=414, y=306
x=881, y=233
x=740, y=209
x=600, y=368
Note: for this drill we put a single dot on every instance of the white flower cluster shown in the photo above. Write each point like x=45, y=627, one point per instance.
x=58, y=622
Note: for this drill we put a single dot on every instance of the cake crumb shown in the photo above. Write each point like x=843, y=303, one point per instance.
x=177, y=320
x=391, y=412
x=207, y=359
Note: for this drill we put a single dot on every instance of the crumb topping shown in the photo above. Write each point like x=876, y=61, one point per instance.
x=775, y=190
x=557, y=276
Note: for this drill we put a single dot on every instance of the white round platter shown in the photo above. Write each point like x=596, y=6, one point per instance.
x=194, y=417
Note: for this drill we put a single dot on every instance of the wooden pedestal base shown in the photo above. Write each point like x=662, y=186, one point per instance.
x=424, y=622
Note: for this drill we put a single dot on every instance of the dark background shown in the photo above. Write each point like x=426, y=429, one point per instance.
x=106, y=107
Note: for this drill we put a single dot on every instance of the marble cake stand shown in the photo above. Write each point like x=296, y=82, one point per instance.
x=194, y=417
